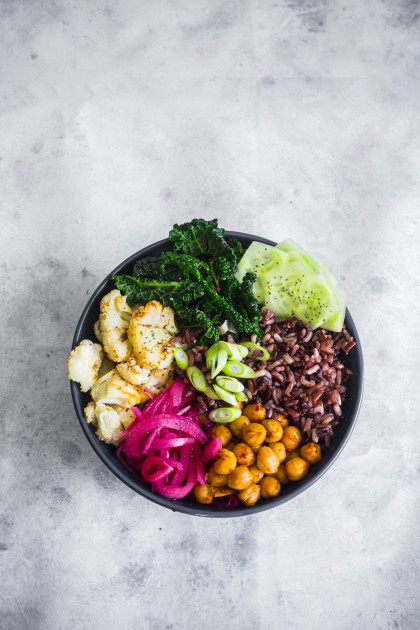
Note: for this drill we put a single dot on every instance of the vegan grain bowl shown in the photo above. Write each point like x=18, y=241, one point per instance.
x=218, y=374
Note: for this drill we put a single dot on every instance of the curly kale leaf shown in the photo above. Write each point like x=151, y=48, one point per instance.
x=202, y=239
x=247, y=297
x=155, y=267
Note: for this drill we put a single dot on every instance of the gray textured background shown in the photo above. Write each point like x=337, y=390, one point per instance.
x=292, y=118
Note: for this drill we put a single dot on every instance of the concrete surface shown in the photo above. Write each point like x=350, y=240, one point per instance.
x=292, y=118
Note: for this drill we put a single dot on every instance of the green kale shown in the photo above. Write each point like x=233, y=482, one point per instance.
x=197, y=279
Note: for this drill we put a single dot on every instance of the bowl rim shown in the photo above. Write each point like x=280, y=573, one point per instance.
x=177, y=506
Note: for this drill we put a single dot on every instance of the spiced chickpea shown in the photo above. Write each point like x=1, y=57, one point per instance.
x=244, y=454
x=240, y=478
x=230, y=446
x=280, y=450
x=223, y=433
x=270, y=487
x=274, y=430
x=225, y=491
x=283, y=420
x=311, y=452
x=254, y=434
x=203, y=494
x=291, y=455
x=237, y=426
x=267, y=460
x=225, y=462
x=296, y=468
x=250, y=495
x=281, y=475
x=256, y=412
x=291, y=437
x=256, y=473
x=216, y=479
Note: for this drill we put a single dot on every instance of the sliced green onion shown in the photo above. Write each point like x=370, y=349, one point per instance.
x=238, y=369
x=232, y=350
x=251, y=349
x=241, y=397
x=210, y=354
x=222, y=394
x=242, y=350
x=224, y=414
x=230, y=384
x=181, y=358
x=197, y=378
x=210, y=393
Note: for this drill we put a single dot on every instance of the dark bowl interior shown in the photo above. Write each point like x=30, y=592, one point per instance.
x=188, y=505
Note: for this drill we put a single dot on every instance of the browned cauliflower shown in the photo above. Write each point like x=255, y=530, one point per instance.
x=84, y=363
x=114, y=319
x=150, y=331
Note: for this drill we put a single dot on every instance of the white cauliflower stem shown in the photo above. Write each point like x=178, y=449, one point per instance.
x=114, y=319
x=84, y=363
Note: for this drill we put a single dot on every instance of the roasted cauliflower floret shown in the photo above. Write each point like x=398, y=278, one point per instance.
x=132, y=372
x=111, y=389
x=105, y=419
x=114, y=319
x=150, y=330
x=84, y=362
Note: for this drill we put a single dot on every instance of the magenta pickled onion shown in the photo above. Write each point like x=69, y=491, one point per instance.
x=149, y=393
x=211, y=449
x=164, y=443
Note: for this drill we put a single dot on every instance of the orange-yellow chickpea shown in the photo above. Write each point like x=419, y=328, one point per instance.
x=225, y=462
x=256, y=473
x=281, y=475
x=256, y=412
x=203, y=494
x=270, y=487
x=244, y=454
x=237, y=426
x=267, y=460
x=296, y=468
x=230, y=446
x=291, y=437
x=283, y=420
x=274, y=430
x=223, y=492
x=254, y=434
x=216, y=479
x=311, y=452
x=223, y=433
x=291, y=455
x=250, y=495
x=280, y=450
x=240, y=478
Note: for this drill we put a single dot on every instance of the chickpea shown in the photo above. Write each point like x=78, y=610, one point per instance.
x=281, y=475
x=238, y=425
x=291, y=455
x=274, y=430
x=203, y=494
x=256, y=473
x=244, y=454
x=254, y=434
x=291, y=437
x=256, y=412
x=216, y=479
x=250, y=495
x=311, y=452
x=283, y=420
x=270, y=487
x=280, y=450
x=296, y=468
x=240, y=478
x=267, y=460
x=221, y=432
x=225, y=462
x=230, y=446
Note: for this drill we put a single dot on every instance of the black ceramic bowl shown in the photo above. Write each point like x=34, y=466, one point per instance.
x=188, y=505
